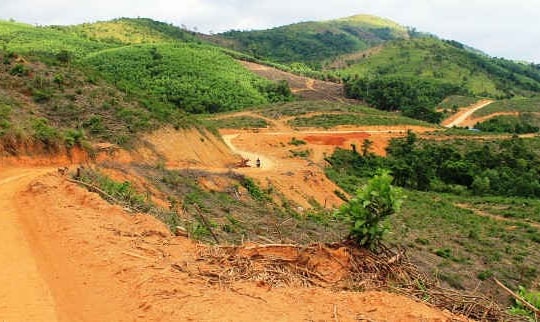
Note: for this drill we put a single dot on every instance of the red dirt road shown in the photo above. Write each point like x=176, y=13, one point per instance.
x=24, y=294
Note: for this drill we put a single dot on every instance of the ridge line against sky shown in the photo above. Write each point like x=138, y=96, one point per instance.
x=500, y=28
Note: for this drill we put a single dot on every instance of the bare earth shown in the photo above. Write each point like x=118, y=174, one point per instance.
x=70, y=256
x=463, y=116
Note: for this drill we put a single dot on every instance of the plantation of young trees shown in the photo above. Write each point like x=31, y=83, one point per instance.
x=194, y=78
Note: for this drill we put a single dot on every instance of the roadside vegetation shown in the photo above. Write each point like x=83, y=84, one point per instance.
x=520, y=124
x=236, y=122
x=453, y=102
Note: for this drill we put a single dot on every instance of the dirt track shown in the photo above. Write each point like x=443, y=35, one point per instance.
x=24, y=295
x=70, y=256
x=461, y=117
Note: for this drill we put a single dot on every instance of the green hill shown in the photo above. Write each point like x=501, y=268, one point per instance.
x=23, y=38
x=315, y=42
x=129, y=31
x=450, y=62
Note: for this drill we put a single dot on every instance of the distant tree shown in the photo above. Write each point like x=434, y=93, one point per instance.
x=367, y=144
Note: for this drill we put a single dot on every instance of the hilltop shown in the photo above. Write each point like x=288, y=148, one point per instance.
x=314, y=43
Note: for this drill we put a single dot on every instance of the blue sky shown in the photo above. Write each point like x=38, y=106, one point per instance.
x=501, y=28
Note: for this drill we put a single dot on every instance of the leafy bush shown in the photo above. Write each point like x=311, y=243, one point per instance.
x=19, y=70
x=41, y=96
x=45, y=133
x=253, y=189
x=5, y=113
x=530, y=296
x=297, y=142
x=368, y=210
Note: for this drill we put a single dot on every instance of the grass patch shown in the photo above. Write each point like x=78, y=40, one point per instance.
x=456, y=101
x=297, y=108
x=333, y=120
x=521, y=105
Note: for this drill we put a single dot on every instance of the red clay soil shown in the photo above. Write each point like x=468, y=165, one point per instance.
x=302, y=179
x=336, y=140
x=189, y=149
x=67, y=255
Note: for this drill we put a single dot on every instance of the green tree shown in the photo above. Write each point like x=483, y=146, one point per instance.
x=367, y=144
x=368, y=210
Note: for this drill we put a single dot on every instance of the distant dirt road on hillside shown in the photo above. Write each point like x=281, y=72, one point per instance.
x=460, y=117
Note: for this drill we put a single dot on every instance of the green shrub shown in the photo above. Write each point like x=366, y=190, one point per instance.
x=19, y=70
x=368, y=210
x=73, y=137
x=253, y=189
x=41, y=96
x=484, y=275
x=532, y=297
x=48, y=135
x=297, y=142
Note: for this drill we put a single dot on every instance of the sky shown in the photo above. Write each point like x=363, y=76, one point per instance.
x=500, y=28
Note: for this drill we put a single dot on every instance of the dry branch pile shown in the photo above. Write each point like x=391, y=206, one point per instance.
x=340, y=266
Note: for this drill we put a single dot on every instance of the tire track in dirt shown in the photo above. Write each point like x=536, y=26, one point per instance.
x=266, y=162
x=24, y=294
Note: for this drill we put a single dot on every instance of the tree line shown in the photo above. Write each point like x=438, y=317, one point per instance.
x=508, y=167
x=415, y=97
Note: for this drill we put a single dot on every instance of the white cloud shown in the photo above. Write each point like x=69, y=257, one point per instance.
x=499, y=27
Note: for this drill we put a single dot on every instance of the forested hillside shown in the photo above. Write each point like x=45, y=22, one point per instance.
x=313, y=43
x=448, y=61
x=169, y=73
